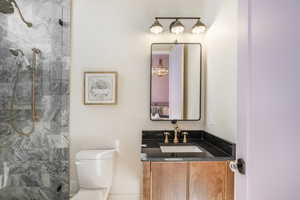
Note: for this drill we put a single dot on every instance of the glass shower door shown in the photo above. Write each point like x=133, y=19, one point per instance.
x=34, y=100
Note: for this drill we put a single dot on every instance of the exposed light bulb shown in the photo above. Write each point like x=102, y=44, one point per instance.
x=156, y=27
x=177, y=27
x=199, y=27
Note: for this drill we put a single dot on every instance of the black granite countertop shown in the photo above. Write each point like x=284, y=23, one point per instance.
x=213, y=148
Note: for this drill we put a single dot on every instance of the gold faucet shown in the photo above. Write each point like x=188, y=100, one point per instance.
x=176, y=132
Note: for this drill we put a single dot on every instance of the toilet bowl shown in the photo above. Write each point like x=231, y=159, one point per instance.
x=95, y=173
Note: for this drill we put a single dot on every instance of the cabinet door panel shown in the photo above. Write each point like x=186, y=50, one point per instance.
x=146, y=181
x=169, y=181
x=207, y=181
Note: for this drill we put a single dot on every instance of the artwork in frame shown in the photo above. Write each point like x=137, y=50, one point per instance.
x=100, y=88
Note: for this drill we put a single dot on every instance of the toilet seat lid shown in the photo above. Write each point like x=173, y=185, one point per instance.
x=95, y=154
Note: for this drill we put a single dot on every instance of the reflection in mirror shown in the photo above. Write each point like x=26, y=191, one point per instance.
x=176, y=81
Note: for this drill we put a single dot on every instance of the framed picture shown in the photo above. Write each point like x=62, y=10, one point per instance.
x=100, y=88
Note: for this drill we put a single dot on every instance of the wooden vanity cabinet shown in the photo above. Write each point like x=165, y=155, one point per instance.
x=211, y=180
x=169, y=180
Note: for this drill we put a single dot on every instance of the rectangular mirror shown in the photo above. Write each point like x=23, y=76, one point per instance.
x=175, y=81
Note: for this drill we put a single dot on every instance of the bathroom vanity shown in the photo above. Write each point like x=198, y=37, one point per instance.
x=182, y=165
x=202, y=174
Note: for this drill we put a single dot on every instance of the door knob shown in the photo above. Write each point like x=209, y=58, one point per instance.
x=238, y=165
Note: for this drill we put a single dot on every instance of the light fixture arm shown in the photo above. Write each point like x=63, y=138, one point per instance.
x=176, y=18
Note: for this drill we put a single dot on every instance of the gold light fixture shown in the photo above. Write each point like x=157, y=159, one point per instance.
x=199, y=27
x=176, y=26
x=160, y=70
x=156, y=27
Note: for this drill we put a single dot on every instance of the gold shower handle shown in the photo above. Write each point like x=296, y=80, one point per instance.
x=34, y=114
x=34, y=68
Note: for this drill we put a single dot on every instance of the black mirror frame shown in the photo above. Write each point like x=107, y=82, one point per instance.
x=200, y=111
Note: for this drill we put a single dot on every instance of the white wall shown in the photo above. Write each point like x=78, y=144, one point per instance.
x=113, y=35
x=221, y=49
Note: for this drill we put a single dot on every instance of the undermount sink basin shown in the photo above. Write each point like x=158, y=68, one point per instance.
x=180, y=149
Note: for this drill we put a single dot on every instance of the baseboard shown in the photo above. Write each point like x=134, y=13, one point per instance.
x=124, y=197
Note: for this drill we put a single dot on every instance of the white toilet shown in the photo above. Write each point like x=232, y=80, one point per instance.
x=95, y=173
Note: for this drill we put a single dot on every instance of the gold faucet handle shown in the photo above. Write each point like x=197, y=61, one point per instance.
x=166, y=140
x=185, y=137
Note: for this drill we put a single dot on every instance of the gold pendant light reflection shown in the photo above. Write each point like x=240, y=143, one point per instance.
x=161, y=70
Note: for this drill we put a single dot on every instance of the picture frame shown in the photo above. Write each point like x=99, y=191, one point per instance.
x=100, y=88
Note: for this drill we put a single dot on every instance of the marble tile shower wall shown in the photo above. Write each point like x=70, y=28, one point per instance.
x=34, y=167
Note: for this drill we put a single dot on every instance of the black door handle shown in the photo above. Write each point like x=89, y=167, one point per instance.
x=238, y=166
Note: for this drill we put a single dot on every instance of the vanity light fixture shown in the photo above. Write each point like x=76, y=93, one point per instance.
x=199, y=27
x=156, y=27
x=176, y=26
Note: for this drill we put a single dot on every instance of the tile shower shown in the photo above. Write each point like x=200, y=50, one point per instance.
x=34, y=99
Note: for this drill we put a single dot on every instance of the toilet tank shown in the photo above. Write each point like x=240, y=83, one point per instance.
x=95, y=168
